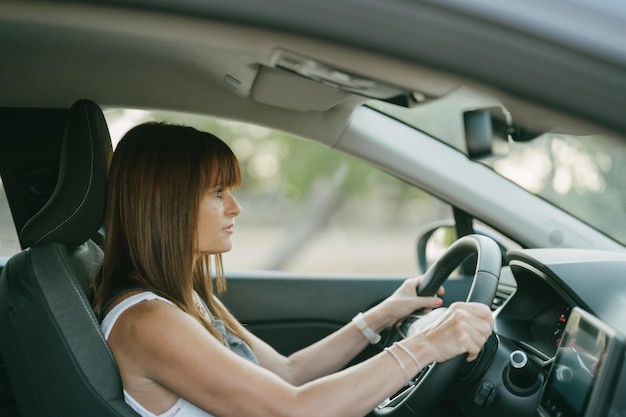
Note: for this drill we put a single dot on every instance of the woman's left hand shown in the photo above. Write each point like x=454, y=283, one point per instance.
x=405, y=301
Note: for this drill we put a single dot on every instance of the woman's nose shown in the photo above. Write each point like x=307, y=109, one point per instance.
x=234, y=208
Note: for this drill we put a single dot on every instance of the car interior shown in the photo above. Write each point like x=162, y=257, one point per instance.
x=556, y=291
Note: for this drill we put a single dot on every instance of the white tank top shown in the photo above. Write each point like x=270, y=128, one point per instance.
x=181, y=408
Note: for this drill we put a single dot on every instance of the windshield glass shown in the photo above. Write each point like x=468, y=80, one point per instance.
x=583, y=175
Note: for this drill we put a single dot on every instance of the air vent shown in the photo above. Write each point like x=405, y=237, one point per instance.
x=502, y=294
x=506, y=288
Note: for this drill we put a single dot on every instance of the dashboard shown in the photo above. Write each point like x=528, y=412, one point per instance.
x=559, y=342
x=564, y=296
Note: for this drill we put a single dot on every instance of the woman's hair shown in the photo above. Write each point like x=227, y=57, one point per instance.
x=157, y=177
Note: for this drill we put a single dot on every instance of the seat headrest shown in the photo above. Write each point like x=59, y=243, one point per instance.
x=75, y=210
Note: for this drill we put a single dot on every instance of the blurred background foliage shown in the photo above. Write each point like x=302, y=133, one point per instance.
x=584, y=175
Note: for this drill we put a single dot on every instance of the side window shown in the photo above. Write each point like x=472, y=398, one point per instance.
x=310, y=209
x=9, y=241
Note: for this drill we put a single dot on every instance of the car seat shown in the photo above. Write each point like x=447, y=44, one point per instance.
x=55, y=358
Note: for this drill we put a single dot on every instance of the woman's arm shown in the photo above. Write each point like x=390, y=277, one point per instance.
x=172, y=350
x=337, y=349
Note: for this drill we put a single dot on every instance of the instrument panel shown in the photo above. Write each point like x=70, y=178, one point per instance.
x=535, y=316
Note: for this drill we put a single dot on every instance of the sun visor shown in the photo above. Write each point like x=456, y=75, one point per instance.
x=284, y=89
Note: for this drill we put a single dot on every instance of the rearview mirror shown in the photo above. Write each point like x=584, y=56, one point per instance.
x=489, y=132
x=486, y=132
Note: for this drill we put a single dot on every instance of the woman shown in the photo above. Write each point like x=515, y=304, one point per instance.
x=170, y=215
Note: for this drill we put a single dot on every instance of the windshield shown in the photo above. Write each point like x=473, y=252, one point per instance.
x=583, y=175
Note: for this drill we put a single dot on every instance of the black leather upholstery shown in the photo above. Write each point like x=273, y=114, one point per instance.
x=74, y=211
x=55, y=357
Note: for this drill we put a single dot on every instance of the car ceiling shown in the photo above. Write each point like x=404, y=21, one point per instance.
x=200, y=58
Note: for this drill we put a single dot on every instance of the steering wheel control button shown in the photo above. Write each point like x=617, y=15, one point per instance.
x=485, y=394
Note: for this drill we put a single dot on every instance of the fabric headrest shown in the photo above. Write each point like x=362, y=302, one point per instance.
x=75, y=210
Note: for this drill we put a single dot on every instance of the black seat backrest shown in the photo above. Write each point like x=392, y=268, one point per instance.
x=55, y=358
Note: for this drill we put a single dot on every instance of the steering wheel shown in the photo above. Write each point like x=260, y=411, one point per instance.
x=434, y=380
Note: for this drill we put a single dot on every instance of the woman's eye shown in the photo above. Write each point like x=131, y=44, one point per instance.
x=218, y=193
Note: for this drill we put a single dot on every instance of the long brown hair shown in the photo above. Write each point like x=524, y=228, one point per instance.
x=157, y=176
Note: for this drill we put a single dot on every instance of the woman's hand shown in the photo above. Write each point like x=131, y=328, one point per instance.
x=405, y=301
x=463, y=328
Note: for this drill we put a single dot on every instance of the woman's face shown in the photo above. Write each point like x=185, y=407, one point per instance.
x=216, y=221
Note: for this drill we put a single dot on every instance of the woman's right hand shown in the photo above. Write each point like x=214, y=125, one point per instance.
x=463, y=328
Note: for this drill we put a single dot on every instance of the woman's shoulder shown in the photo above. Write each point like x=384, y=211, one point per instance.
x=144, y=327
x=129, y=298
x=135, y=307
x=142, y=305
